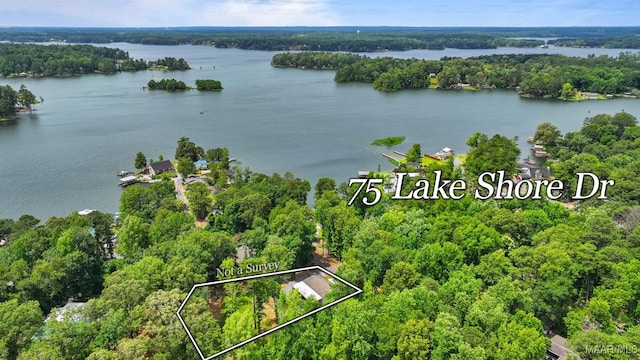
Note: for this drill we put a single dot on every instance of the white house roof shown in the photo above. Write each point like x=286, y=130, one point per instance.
x=59, y=313
x=306, y=291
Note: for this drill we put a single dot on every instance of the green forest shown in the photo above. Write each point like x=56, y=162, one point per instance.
x=442, y=279
x=64, y=60
x=554, y=76
x=354, y=39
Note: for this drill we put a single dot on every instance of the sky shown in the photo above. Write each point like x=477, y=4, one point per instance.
x=428, y=13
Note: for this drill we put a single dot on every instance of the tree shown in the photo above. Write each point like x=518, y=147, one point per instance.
x=413, y=340
x=401, y=276
x=414, y=154
x=186, y=167
x=18, y=324
x=324, y=184
x=567, y=92
x=188, y=149
x=132, y=236
x=25, y=97
x=141, y=161
x=491, y=155
x=547, y=134
x=8, y=99
x=521, y=338
x=200, y=200
x=208, y=85
x=445, y=336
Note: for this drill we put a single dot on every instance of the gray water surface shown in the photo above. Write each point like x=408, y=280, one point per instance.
x=64, y=157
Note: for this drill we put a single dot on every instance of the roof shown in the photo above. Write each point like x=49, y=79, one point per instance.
x=243, y=252
x=306, y=291
x=533, y=172
x=161, y=166
x=313, y=286
x=318, y=283
x=559, y=348
x=60, y=313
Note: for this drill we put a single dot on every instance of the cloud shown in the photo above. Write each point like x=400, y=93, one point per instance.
x=268, y=13
x=159, y=13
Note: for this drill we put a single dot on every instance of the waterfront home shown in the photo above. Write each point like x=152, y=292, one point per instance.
x=445, y=153
x=159, y=167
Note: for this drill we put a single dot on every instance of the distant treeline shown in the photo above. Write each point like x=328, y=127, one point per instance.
x=632, y=42
x=63, y=60
x=536, y=75
x=354, y=39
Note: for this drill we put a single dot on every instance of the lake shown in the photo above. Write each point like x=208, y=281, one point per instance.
x=65, y=156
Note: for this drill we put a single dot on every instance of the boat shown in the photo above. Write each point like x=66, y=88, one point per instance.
x=124, y=173
x=529, y=161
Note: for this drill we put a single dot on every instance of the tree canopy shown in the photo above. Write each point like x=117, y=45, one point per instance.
x=441, y=279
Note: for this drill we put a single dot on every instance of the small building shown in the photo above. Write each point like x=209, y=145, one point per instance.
x=445, y=153
x=201, y=164
x=528, y=172
x=243, y=252
x=559, y=350
x=159, y=167
x=73, y=306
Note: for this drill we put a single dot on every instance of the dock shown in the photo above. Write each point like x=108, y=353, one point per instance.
x=390, y=157
x=128, y=180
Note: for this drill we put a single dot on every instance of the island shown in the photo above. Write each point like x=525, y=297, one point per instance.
x=179, y=85
x=33, y=60
x=389, y=141
x=208, y=85
x=168, y=85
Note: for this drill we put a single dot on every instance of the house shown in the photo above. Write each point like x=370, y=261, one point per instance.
x=559, y=350
x=445, y=153
x=159, y=167
x=73, y=306
x=243, y=252
x=201, y=164
x=535, y=173
x=313, y=286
